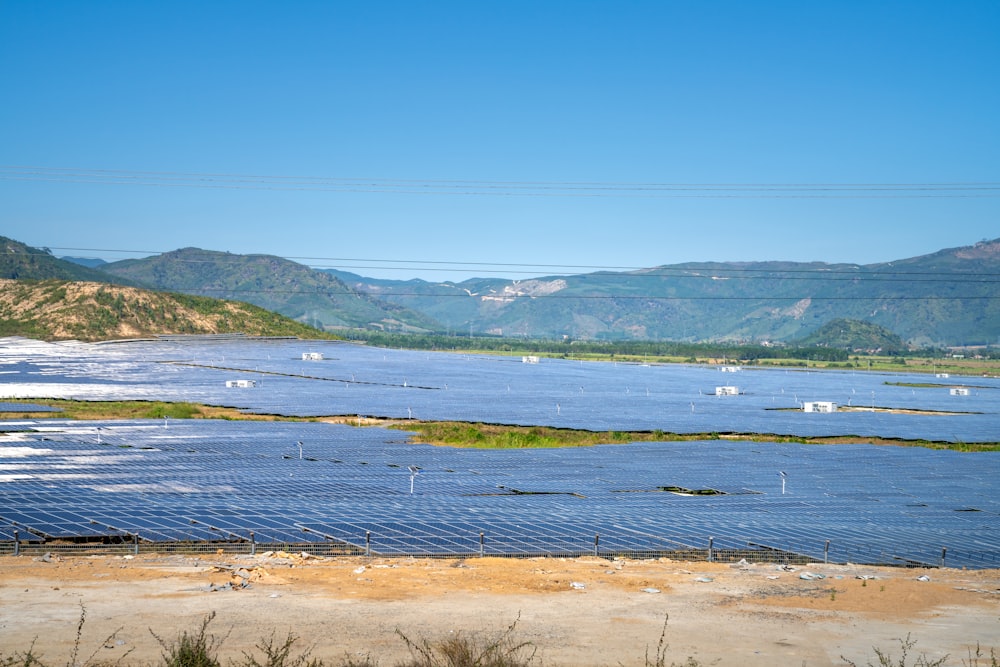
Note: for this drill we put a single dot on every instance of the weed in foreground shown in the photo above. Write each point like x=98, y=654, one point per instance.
x=279, y=655
x=22, y=658
x=192, y=650
x=885, y=659
x=660, y=659
x=31, y=659
x=498, y=650
x=977, y=658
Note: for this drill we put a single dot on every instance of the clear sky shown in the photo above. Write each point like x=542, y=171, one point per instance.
x=448, y=139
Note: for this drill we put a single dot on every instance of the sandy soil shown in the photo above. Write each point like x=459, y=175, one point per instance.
x=581, y=612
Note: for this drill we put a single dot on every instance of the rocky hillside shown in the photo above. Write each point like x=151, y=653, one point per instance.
x=88, y=311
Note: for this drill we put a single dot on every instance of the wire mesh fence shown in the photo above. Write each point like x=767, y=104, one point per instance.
x=416, y=545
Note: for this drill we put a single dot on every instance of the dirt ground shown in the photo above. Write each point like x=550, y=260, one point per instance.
x=581, y=612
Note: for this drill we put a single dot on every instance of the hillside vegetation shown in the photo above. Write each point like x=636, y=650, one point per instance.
x=950, y=298
x=88, y=311
x=22, y=262
x=855, y=336
x=947, y=298
x=275, y=283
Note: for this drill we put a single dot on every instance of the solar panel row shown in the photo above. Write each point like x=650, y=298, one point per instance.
x=220, y=480
x=358, y=380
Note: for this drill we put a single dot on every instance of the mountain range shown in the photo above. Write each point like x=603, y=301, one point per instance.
x=947, y=298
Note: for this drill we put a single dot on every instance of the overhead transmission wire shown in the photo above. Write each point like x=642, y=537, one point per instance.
x=497, y=188
x=859, y=273
x=459, y=292
x=594, y=297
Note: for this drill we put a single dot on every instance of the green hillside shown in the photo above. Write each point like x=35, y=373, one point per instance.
x=855, y=336
x=22, y=262
x=270, y=282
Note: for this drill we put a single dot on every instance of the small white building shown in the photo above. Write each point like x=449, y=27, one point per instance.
x=730, y=369
x=727, y=391
x=529, y=359
x=959, y=391
x=241, y=384
x=942, y=375
x=312, y=356
x=819, y=406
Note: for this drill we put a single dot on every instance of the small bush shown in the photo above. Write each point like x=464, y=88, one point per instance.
x=279, y=655
x=498, y=650
x=192, y=650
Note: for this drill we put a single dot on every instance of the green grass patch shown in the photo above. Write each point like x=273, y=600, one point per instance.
x=495, y=436
x=474, y=435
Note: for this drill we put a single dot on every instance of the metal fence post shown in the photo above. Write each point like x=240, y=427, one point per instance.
x=135, y=543
x=253, y=544
x=944, y=552
x=710, y=541
x=17, y=543
x=597, y=541
x=368, y=543
x=826, y=552
x=482, y=544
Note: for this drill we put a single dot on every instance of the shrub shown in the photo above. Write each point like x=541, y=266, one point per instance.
x=192, y=650
x=497, y=650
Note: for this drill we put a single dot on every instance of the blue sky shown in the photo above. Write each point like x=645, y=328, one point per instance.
x=449, y=139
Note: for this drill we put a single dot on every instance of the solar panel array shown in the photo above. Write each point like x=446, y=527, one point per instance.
x=361, y=380
x=219, y=480
x=206, y=480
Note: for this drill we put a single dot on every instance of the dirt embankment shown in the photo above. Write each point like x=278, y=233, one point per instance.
x=581, y=612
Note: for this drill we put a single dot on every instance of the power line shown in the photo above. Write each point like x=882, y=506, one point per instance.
x=498, y=188
x=602, y=297
x=857, y=273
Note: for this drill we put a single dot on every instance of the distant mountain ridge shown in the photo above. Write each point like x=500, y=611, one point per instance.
x=947, y=298
x=950, y=297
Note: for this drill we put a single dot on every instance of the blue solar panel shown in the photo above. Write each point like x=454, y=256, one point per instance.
x=360, y=380
x=178, y=480
x=8, y=406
